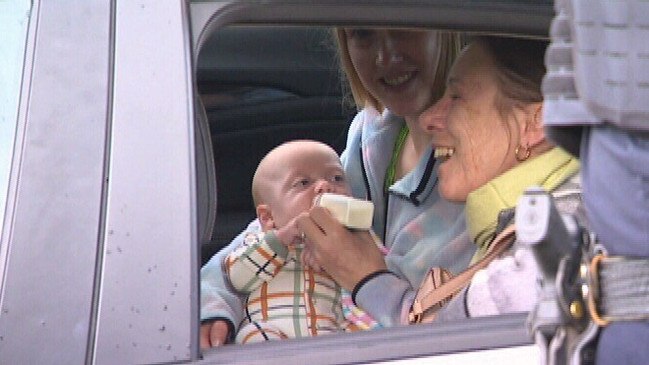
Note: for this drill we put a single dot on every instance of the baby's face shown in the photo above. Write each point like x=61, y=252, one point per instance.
x=308, y=173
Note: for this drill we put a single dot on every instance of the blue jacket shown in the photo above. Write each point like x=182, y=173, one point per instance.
x=419, y=228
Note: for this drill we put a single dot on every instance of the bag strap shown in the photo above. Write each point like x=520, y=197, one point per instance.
x=423, y=302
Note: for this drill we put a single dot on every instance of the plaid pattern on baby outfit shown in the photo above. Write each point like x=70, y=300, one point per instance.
x=284, y=300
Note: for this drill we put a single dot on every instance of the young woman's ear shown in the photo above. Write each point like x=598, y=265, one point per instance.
x=265, y=217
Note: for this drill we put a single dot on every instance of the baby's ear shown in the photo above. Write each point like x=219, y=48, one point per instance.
x=265, y=217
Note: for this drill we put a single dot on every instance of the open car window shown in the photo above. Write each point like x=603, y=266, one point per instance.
x=269, y=77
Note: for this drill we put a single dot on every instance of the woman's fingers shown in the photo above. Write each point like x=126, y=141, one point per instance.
x=345, y=255
x=317, y=223
x=309, y=261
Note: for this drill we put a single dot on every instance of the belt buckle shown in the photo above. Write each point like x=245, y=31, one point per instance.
x=593, y=291
x=595, y=294
x=416, y=313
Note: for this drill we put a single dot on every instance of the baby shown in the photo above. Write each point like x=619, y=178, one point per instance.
x=284, y=299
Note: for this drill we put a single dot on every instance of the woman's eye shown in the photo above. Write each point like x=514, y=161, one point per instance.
x=358, y=32
x=359, y=35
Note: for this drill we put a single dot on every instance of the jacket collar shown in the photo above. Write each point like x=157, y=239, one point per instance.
x=483, y=205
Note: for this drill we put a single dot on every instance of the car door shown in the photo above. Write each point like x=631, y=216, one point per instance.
x=100, y=240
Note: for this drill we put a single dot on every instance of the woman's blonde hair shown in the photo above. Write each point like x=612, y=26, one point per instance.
x=450, y=44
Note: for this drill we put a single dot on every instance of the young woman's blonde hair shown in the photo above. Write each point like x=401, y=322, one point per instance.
x=450, y=45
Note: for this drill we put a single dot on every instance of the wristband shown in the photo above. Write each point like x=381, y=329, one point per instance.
x=367, y=278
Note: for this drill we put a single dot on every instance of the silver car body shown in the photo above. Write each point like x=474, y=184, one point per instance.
x=110, y=190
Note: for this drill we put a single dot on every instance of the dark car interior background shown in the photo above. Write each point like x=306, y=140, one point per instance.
x=261, y=86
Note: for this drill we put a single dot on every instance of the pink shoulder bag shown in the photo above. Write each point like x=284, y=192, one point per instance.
x=439, y=285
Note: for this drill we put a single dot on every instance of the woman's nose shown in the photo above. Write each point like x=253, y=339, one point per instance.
x=387, y=50
x=434, y=118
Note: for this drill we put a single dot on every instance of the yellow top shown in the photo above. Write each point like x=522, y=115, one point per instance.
x=483, y=205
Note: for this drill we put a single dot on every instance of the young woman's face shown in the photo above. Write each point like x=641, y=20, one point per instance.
x=396, y=66
x=481, y=140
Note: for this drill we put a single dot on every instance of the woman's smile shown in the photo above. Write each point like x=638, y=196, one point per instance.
x=398, y=79
x=443, y=153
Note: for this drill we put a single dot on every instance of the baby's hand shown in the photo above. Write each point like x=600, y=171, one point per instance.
x=289, y=235
x=213, y=334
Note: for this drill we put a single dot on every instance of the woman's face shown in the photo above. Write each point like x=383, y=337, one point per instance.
x=396, y=66
x=481, y=140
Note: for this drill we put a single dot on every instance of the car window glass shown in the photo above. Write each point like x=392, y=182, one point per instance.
x=14, y=17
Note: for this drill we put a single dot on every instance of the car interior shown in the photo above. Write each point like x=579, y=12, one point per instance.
x=261, y=86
